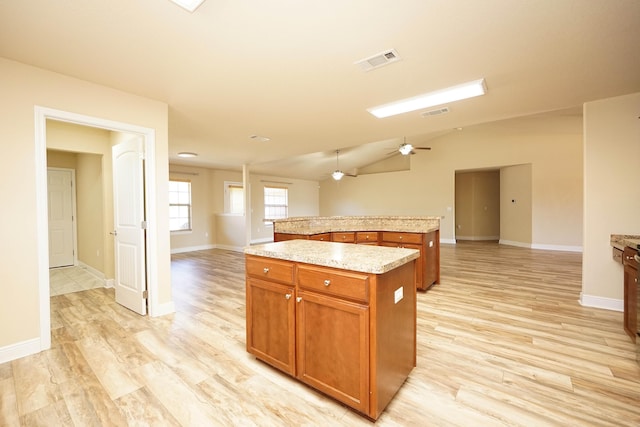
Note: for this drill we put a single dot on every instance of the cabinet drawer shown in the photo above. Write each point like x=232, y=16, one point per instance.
x=354, y=286
x=344, y=237
x=628, y=257
x=324, y=237
x=367, y=237
x=270, y=269
x=389, y=236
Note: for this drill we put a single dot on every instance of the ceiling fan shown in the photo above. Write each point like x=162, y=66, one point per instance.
x=338, y=174
x=405, y=148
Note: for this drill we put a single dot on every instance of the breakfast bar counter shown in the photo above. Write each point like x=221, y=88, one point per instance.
x=415, y=232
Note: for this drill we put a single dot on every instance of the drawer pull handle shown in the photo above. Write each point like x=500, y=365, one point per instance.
x=298, y=299
x=327, y=282
x=265, y=270
x=287, y=296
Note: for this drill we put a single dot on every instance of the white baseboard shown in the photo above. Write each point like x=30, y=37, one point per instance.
x=163, y=309
x=514, y=243
x=231, y=248
x=601, y=302
x=108, y=283
x=478, y=238
x=21, y=349
x=561, y=248
x=192, y=248
x=261, y=241
x=448, y=241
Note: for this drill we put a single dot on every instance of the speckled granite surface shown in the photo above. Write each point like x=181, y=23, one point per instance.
x=363, y=258
x=619, y=241
x=327, y=224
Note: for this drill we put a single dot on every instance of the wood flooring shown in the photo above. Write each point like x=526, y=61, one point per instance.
x=502, y=341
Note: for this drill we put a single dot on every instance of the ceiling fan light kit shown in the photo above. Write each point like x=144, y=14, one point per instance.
x=405, y=149
x=337, y=175
x=431, y=99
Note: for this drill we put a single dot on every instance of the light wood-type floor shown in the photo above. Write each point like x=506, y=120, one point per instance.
x=501, y=341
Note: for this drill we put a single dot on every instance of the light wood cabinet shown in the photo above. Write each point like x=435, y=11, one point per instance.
x=630, y=293
x=348, y=334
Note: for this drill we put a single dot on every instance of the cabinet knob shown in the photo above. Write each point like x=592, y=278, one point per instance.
x=298, y=299
x=327, y=282
x=265, y=270
x=287, y=296
x=400, y=237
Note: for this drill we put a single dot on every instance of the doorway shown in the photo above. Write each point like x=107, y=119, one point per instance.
x=477, y=198
x=42, y=115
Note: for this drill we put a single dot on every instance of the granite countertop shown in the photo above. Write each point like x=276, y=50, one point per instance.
x=619, y=241
x=319, y=224
x=363, y=258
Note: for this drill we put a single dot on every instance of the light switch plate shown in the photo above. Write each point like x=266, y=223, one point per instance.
x=398, y=294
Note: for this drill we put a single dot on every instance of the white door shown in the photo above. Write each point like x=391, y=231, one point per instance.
x=129, y=233
x=60, y=199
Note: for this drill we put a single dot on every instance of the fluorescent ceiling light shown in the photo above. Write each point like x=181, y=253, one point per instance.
x=438, y=97
x=189, y=5
x=187, y=154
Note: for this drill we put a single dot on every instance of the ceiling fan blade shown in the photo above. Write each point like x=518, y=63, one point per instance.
x=422, y=148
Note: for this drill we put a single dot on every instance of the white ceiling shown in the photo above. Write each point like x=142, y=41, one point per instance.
x=285, y=68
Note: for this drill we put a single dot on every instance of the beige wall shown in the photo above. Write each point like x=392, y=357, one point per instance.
x=515, y=205
x=24, y=87
x=612, y=192
x=477, y=205
x=91, y=232
x=303, y=201
x=552, y=145
x=61, y=159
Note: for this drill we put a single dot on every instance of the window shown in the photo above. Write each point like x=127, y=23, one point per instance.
x=233, y=198
x=276, y=203
x=179, y=205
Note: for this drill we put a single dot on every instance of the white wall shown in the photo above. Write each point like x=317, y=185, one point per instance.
x=612, y=193
x=551, y=145
x=23, y=88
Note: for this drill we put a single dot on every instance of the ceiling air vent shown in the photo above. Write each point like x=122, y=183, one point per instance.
x=436, y=112
x=378, y=60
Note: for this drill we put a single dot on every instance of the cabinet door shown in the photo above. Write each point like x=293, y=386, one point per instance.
x=630, y=301
x=333, y=348
x=271, y=323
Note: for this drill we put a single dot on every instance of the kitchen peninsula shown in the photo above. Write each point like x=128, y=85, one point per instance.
x=340, y=318
x=415, y=232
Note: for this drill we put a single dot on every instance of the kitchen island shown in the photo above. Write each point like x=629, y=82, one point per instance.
x=416, y=232
x=340, y=318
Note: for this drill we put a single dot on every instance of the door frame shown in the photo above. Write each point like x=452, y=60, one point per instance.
x=42, y=114
x=74, y=221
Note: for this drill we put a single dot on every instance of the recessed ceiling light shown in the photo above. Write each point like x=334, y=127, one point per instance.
x=189, y=5
x=187, y=154
x=438, y=97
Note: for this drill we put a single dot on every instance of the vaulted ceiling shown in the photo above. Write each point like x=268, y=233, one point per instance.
x=284, y=69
